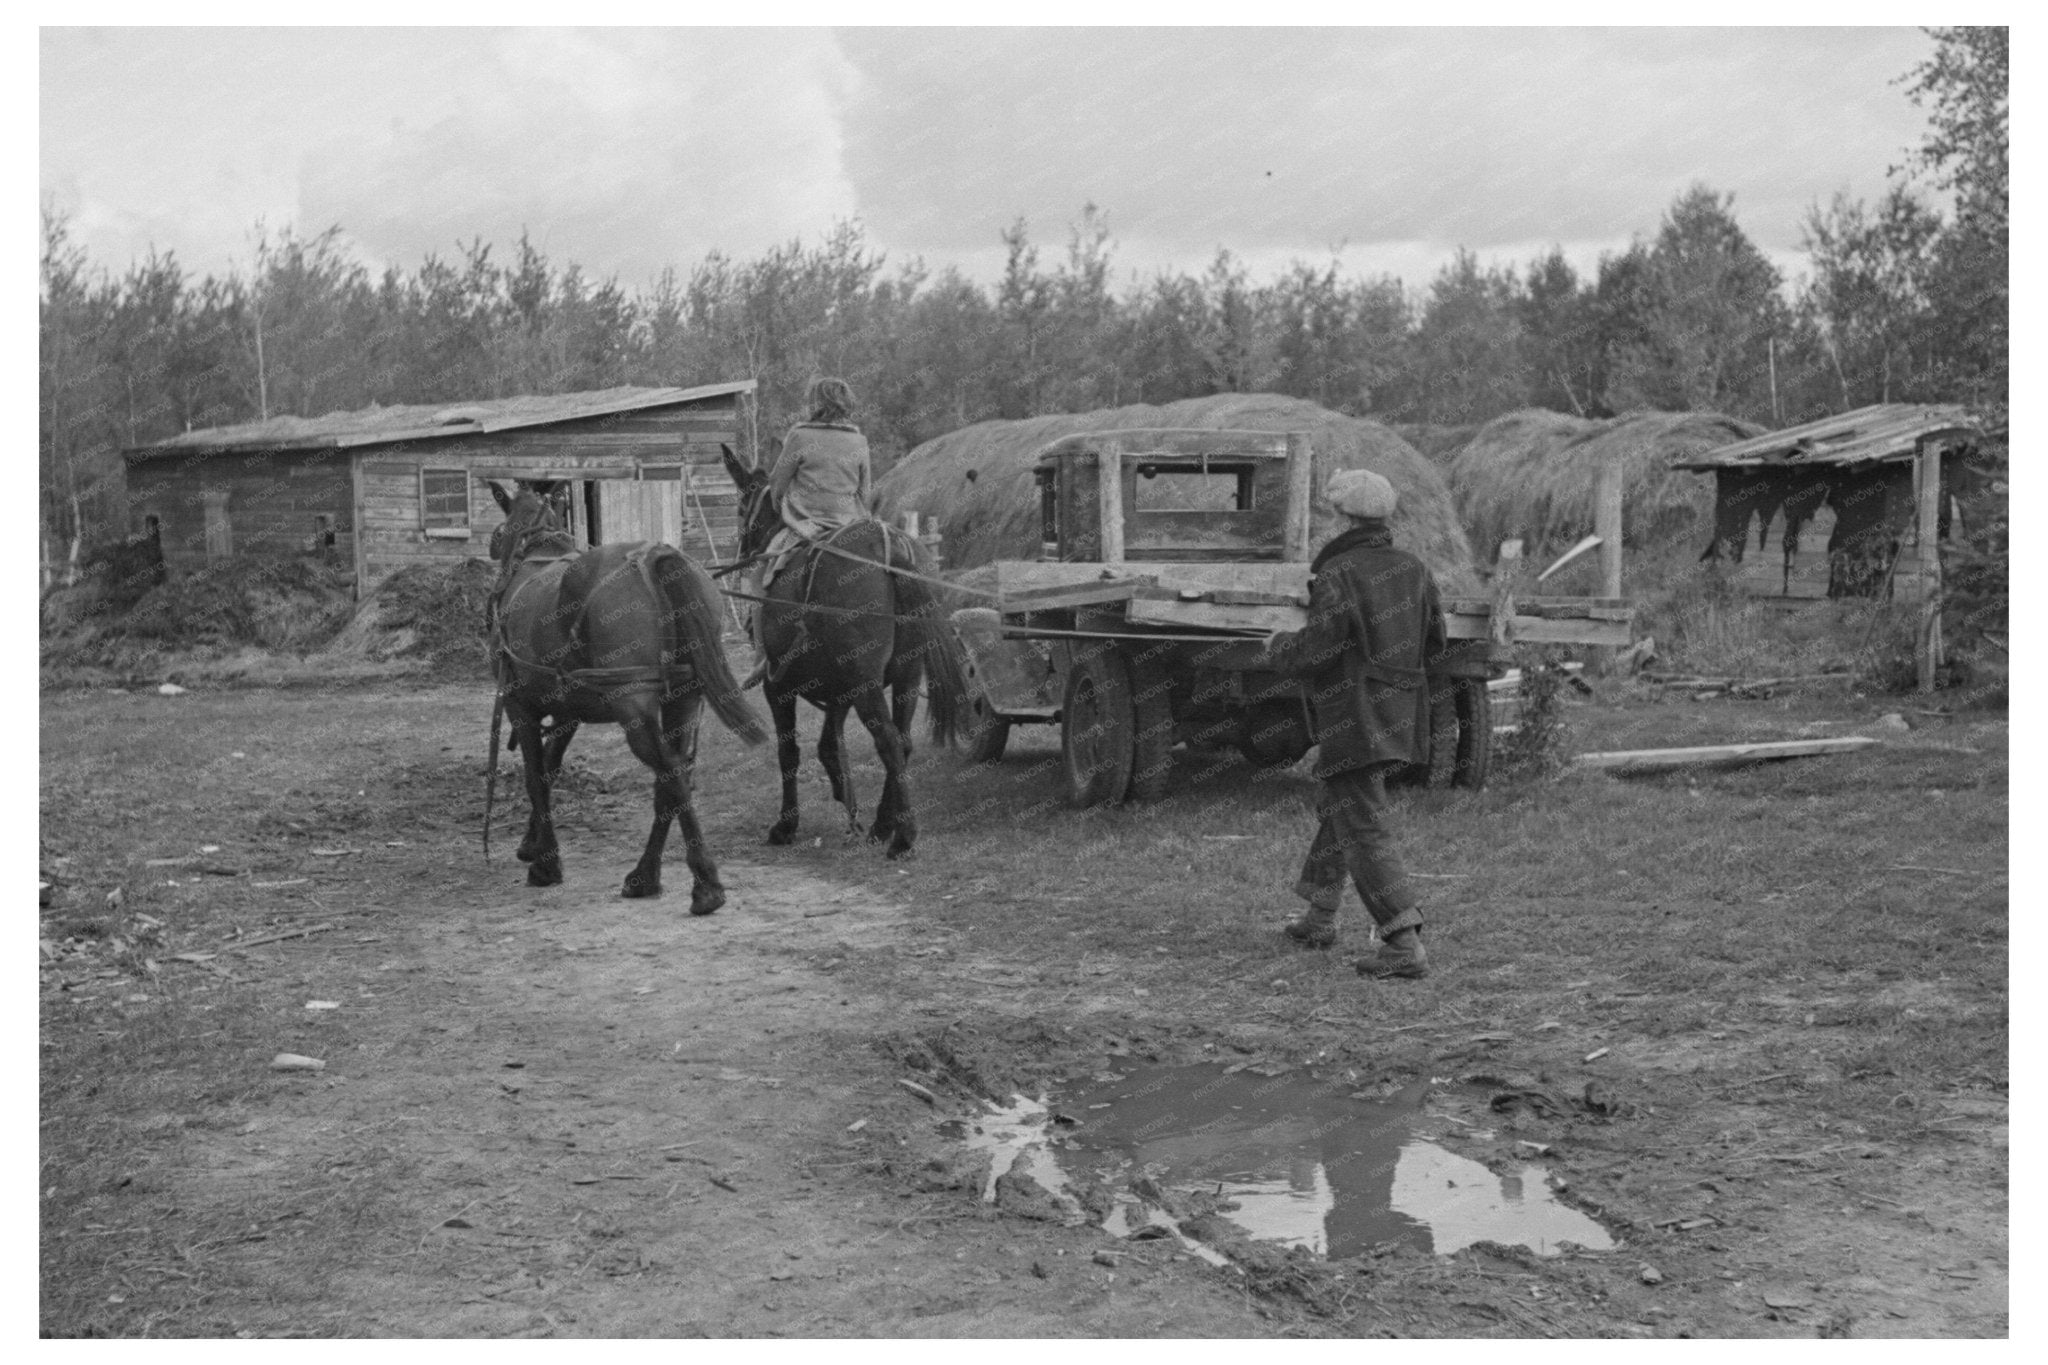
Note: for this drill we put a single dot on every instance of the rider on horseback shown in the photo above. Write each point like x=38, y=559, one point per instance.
x=821, y=482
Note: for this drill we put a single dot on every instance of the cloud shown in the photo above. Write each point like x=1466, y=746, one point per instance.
x=1307, y=139
x=626, y=151
x=631, y=150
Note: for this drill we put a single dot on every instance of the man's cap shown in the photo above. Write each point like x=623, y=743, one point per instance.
x=1360, y=493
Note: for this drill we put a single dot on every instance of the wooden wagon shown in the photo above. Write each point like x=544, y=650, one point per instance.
x=1138, y=628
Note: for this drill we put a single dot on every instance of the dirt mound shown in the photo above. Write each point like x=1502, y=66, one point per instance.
x=977, y=482
x=1535, y=473
x=284, y=604
x=430, y=614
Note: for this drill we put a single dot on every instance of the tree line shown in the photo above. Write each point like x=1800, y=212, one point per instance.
x=1904, y=301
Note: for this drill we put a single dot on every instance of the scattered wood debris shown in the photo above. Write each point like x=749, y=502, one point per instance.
x=240, y=944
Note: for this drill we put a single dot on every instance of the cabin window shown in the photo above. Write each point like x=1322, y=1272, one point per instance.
x=444, y=503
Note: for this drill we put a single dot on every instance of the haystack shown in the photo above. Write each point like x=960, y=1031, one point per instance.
x=1535, y=474
x=1441, y=444
x=976, y=483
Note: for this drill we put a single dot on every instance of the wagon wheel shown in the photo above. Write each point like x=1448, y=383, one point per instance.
x=1274, y=734
x=1443, y=738
x=1475, y=733
x=1096, y=727
x=1151, y=732
x=986, y=731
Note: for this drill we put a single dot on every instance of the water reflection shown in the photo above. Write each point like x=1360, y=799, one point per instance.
x=1309, y=1166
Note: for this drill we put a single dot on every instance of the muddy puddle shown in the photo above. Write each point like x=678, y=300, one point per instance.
x=1289, y=1159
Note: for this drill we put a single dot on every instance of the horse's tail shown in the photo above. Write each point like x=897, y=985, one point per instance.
x=921, y=616
x=698, y=615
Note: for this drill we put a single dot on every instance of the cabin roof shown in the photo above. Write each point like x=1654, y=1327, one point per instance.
x=1880, y=433
x=377, y=425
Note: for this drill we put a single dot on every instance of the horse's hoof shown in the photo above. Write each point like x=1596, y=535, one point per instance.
x=880, y=831
x=782, y=834
x=706, y=902
x=638, y=889
x=540, y=873
x=900, y=847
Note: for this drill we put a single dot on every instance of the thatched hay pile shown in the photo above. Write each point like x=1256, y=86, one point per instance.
x=1535, y=474
x=1441, y=444
x=976, y=482
x=428, y=614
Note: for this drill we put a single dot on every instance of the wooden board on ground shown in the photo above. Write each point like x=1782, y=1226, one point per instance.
x=1626, y=761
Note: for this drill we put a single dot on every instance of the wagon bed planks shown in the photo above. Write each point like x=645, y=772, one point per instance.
x=1259, y=599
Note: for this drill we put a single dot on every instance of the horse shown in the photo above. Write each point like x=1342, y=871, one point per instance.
x=845, y=633
x=622, y=634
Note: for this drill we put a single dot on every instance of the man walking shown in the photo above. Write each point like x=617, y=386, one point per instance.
x=1373, y=618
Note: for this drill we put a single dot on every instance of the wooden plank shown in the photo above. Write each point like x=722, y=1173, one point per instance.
x=1216, y=616
x=1716, y=755
x=1023, y=575
x=1300, y=497
x=1274, y=579
x=356, y=520
x=1079, y=595
x=1581, y=609
x=1607, y=526
x=1927, y=493
x=1109, y=493
x=1537, y=630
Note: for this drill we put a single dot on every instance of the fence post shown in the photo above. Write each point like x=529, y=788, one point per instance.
x=1607, y=526
x=1927, y=493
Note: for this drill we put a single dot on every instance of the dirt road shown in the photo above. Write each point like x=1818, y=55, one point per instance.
x=563, y=1113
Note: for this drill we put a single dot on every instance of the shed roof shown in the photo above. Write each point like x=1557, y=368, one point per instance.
x=1881, y=432
x=427, y=421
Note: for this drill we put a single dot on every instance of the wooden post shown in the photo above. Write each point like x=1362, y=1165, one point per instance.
x=1507, y=570
x=1300, y=497
x=1927, y=494
x=1109, y=500
x=1607, y=526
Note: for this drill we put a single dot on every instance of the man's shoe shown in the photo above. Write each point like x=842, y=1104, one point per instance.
x=1408, y=964
x=1312, y=930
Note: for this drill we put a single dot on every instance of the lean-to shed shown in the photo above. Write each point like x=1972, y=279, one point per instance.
x=1854, y=503
x=388, y=487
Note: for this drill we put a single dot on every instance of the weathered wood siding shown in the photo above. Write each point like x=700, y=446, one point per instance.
x=631, y=452
x=269, y=502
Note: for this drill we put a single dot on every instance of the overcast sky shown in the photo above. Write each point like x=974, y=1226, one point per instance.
x=630, y=149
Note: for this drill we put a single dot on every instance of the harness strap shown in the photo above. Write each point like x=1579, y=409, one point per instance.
x=568, y=680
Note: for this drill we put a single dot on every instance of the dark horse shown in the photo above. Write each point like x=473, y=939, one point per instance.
x=841, y=629
x=627, y=634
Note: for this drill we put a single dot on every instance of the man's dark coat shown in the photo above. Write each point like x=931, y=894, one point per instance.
x=1373, y=618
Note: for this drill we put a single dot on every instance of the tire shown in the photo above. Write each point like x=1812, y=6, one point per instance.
x=1443, y=738
x=1475, y=734
x=1273, y=734
x=985, y=733
x=1151, y=733
x=1096, y=726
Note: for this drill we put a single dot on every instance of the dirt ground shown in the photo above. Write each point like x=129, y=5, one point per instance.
x=563, y=1113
